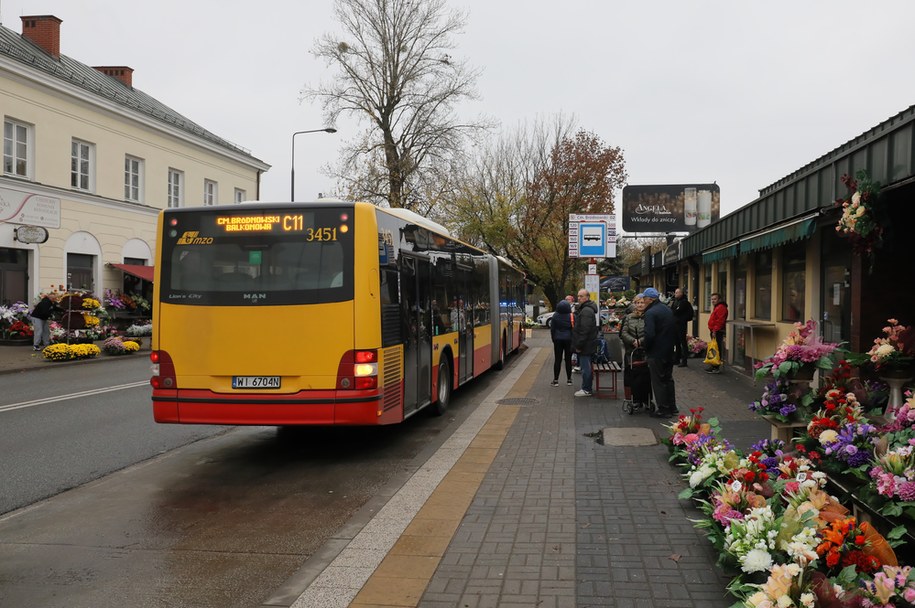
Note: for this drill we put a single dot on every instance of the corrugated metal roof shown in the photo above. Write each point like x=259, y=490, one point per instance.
x=886, y=151
x=91, y=80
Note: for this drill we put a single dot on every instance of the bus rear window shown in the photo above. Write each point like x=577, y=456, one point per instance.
x=266, y=257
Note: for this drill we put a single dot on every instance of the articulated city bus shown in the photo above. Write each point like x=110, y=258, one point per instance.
x=323, y=313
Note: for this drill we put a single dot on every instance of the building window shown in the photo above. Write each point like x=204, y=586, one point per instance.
x=723, y=281
x=175, y=188
x=209, y=192
x=794, y=264
x=707, y=288
x=763, y=274
x=82, y=162
x=79, y=271
x=16, y=149
x=133, y=178
x=240, y=196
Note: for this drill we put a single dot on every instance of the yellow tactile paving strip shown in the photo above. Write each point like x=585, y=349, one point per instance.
x=402, y=577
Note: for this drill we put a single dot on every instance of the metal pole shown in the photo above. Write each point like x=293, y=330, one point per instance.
x=292, y=159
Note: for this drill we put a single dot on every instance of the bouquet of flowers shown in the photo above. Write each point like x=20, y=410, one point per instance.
x=859, y=221
x=894, y=473
x=897, y=348
x=696, y=346
x=852, y=444
x=801, y=347
x=15, y=314
x=844, y=542
x=782, y=400
x=889, y=587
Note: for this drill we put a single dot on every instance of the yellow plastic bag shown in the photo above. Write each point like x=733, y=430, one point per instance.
x=712, y=356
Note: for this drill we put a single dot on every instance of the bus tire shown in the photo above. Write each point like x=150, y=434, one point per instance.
x=443, y=392
x=500, y=364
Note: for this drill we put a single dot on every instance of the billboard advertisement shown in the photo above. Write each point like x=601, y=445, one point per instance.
x=671, y=208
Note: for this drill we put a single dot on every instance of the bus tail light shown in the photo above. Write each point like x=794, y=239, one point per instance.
x=361, y=373
x=163, y=370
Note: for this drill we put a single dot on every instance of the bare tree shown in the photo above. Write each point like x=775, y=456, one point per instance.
x=395, y=71
x=519, y=195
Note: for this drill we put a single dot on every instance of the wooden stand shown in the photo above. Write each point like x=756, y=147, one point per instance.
x=784, y=430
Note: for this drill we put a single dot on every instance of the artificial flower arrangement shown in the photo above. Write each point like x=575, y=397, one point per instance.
x=859, y=222
x=15, y=315
x=802, y=346
x=896, y=349
x=783, y=400
x=620, y=301
x=770, y=518
x=123, y=301
x=19, y=329
x=139, y=330
x=696, y=346
x=116, y=345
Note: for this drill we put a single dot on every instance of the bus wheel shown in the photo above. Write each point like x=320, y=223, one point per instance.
x=500, y=364
x=444, y=388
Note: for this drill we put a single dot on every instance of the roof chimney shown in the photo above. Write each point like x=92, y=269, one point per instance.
x=43, y=30
x=121, y=72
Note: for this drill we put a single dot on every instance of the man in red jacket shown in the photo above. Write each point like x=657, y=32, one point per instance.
x=716, y=327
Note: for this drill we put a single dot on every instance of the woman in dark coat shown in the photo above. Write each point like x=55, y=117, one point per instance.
x=561, y=333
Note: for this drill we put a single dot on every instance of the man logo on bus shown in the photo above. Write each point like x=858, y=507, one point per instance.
x=192, y=237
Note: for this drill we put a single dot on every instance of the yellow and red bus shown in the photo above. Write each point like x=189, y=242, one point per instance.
x=325, y=313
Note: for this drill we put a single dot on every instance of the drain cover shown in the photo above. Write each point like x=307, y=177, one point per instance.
x=629, y=437
x=517, y=401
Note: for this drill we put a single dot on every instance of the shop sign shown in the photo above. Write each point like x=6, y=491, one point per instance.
x=30, y=234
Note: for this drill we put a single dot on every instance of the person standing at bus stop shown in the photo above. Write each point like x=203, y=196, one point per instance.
x=683, y=314
x=584, y=339
x=561, y=334
x=717, y=322
x=660, y=333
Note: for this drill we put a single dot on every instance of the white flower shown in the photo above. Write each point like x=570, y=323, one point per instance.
x=884, y=350
x=784, y=602
x=700, y=475
x=856, y=198
x=808, y=600
x=860, y=211
x=756, y=560
x=828, y=436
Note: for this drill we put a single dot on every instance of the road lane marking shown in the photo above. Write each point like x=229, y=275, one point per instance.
x=96, y=391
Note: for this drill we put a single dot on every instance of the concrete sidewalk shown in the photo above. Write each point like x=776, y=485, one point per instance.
x=526, y=506
x=14, y=359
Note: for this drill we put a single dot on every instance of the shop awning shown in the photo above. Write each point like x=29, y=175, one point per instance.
x=141, y=272
x=719, y=253
x=801, y=228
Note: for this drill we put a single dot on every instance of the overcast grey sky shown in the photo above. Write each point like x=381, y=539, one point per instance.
x=741, y=93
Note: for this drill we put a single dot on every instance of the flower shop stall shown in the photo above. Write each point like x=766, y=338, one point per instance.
x=15, y=325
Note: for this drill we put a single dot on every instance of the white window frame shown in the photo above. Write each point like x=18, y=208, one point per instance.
x=133, y=179
x=210, y=192
x=175, y=188
x=84, y=176
x=11, y=143
x=240, y=196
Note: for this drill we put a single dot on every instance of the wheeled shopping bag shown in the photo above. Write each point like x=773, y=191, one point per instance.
x=636, y=363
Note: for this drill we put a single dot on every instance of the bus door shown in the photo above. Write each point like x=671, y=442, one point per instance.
x=417, y=315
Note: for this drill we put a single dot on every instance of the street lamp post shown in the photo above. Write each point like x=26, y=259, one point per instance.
x=292, y=170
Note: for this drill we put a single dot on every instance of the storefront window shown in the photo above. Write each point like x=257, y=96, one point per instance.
x=707, y=288
x=739, y=306
x=763, y=274
x=723, y=281
x=794, y=263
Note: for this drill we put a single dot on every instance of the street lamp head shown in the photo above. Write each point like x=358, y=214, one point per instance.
x=330, y=130
x=292, y=168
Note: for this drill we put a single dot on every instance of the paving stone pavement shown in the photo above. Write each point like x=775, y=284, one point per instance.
x=561, y=520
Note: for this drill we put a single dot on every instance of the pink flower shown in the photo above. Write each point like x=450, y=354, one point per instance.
x=692, y=437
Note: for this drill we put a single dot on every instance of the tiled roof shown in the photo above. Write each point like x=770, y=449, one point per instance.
x=19, y=49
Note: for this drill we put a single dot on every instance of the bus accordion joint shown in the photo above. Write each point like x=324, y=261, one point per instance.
x=163, y=370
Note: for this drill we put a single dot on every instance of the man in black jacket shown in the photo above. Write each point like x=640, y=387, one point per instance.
x=683, y=314
x=41, y=320
x=584, y=339
x=660, y=334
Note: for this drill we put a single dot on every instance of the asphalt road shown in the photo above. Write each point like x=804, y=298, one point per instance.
x=105, y=508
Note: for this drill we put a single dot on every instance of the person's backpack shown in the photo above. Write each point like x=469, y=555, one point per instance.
x=602, y=352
